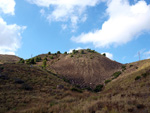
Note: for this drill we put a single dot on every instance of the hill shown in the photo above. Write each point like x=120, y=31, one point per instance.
x=8, y=59
x=42, y=89
x=25, y=89
x=128, y=93
x=85, y=68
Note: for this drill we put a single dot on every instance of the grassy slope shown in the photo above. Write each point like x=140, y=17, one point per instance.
x=125, y=94
x=8, y=59
x=25, y=89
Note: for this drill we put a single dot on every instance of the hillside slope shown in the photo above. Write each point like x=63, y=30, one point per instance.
x=86, y=69
x=129, y=93
x=25, y=89
x=8, y=59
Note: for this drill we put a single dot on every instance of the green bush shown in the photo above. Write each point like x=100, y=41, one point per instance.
x=44, y=63
x=89, y=50
x=138, y=77
x=75, y=51
x=58, y=52
x=92, y=51
x=45, y=58
x=144, y=74
x=82, y=51
x=76, y=90
x=104, y=54
x=88, y=88
x=131, y=65
x=21, y=60
x=51, y=57
x=1, y=68
x=71, y=55
x=107, y=81
x=66, y=80
x=30, y=61
x=123, y=67
x=37, y=59
x=116, y=74
x=98, y=88
x=49, y=53
x=65, y=52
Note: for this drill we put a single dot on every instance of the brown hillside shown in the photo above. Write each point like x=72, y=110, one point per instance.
x=25, y=89
x=128, y=93
x=88, y=69
x=8, y=59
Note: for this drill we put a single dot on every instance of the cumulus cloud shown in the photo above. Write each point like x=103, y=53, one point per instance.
x=147, y=54
x=10, y=37
x=125, y=23
x=7, y=6
x=64, y=10
x=109, y=55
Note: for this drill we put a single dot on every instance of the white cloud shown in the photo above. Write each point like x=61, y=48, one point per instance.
x=125, y=23
x=66, y=10
x=42, y=11
x=7, y=6
x=64, y=26
x=109, y=55
x=84, y=18
x=10, y=37
x=146, y=54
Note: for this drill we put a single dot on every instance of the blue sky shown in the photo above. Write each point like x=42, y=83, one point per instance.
x=120, y=28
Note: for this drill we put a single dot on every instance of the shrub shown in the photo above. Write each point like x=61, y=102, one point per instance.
x=123, y=67
x=71, y=55
x=104, y=54
x=107, y=81
x=51, y=57
x=116, y=74
x=65, y=52
x=26, y=87
x=91, y=57
x=44, y=63
x=30, y=61
x=138, y=77
x=4, y=77
x=18, y=81
x=21, y=60
x=98, y=88
x=144, y=74
x=131, y=65
x=37, y=59
x=58, y=52
x=76, y=90
x=88, y=88
x=49, y=53
x=45, y=58
x=82, y=51
x=1, y=68
x=89, y=50
x=93, y=51
x=66, y=80
x=75, y=51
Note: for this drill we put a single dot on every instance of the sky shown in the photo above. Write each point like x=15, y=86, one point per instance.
x=119, y=28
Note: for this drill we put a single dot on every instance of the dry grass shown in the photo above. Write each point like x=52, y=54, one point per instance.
x=39, y=94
